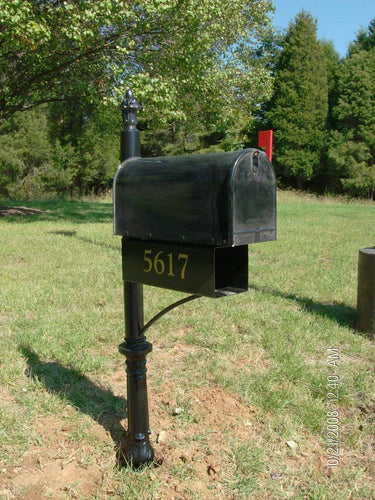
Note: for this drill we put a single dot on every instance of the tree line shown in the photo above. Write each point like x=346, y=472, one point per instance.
x=323, y=112
x=207, y=81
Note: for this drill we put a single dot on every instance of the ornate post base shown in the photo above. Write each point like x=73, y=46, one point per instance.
x=136, y=449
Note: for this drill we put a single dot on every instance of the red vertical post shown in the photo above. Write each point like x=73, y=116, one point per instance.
x=265, y=140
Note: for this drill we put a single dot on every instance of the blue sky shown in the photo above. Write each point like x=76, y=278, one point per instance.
x=338, y=20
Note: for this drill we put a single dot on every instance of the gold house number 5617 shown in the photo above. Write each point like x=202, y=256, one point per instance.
x=165, y=263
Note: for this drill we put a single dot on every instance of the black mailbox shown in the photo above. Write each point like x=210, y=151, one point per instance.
x=186, y=221
x=220, y=199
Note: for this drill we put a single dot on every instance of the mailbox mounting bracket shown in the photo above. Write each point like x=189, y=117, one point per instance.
x=166, y=310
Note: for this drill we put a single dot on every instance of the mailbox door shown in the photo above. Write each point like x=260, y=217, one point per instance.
x=254, y=199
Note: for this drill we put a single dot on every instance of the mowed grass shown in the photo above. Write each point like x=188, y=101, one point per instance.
x=61, y=319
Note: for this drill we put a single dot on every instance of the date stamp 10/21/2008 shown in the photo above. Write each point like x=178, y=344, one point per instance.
x=333, y=412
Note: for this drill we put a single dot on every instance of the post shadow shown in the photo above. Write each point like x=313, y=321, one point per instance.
x=69, y=384
x=73, y=234
x=341, y=313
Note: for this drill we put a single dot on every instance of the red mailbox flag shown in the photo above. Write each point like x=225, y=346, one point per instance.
x=265, y=140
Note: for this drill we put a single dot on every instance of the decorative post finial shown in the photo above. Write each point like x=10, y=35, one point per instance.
x=130, y=141
x=130, y=106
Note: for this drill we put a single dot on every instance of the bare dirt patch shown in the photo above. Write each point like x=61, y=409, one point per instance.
x=10, y=211
x=54, y=467
x=196, y=437
x=196, y=425
x=192, y=432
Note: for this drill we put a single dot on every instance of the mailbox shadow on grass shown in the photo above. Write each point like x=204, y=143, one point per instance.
x=341, y=313
x=72, y=386
x=73, y=234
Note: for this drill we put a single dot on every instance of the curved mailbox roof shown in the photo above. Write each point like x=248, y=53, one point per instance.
x=219, y=199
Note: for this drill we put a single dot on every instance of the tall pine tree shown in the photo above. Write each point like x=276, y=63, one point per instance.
x=298, y=111
x=352, y=144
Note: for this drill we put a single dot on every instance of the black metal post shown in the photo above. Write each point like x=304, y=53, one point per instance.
x=137, y=449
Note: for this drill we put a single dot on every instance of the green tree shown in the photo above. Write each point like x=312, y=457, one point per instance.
x=97, y=150
x=352, y=144
x=298, y=110
x=30, y=165
x=365, y=39
x=92, y=50
x=332, y=60
x=187, y=61
x=93, y=134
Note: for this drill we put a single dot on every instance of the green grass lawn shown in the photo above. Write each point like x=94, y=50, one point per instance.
x=248, y=373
